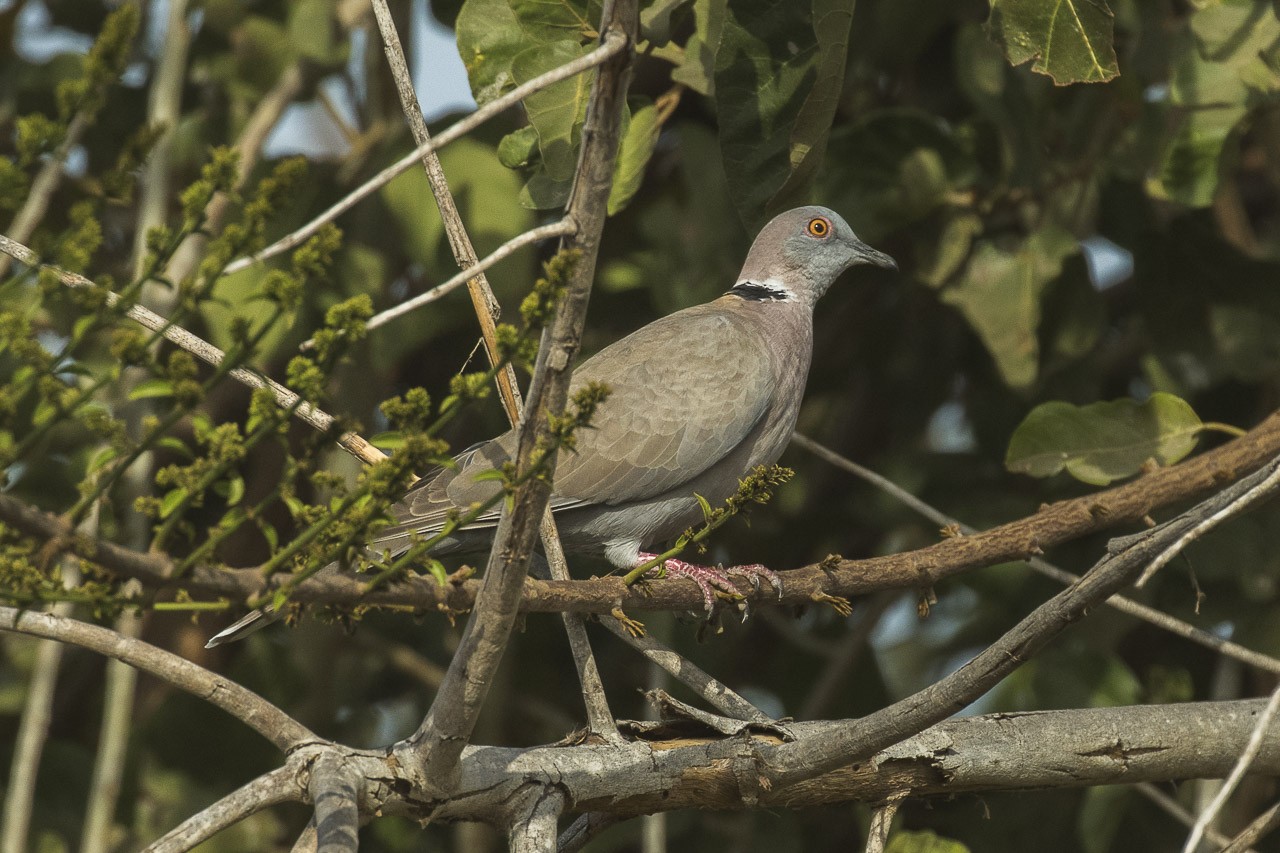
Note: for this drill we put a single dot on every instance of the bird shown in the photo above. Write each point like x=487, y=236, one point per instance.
x=697, y=400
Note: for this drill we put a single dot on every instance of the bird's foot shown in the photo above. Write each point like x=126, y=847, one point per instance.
x=714, y=580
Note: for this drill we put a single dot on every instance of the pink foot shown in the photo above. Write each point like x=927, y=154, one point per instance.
x=710, y=580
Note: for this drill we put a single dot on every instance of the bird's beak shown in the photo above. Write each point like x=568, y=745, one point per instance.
x=864, y=254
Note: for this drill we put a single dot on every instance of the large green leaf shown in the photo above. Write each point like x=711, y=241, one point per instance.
x=1070, y=40
x=1216, y=77
x=1103, y=441
x=1000, y=293
x=776, y=85
x=638, y=140
x=556, y=115
x=698, y=68
x=489, y=37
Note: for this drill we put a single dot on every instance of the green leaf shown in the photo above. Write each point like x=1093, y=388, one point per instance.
x=102, y=457
x=655, y=21
x=388, y=441
x=231, y=490
x=922, y=841
x=1000, y=297
x=518, y=148
x=557, y=112
x=489, y=37
x=698, y=68
x=312, y=32
x=1070, y=40
x=638, y=141
x=171, y=501
x=149, y=388
x=553, y=20
x=776, y=85
x=1103, y=441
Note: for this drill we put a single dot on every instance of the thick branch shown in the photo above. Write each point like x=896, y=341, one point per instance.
x=243, y=704
x=1125, y=560
x=336, y=789
x=533, y=829
x=439, y=741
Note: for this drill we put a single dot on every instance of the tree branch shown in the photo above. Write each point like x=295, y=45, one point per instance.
x=1125, y=559
x=279, y=786
x=202, y=349
x=335, y=789
x=612, y=45
x=1125, y=605
x=533, y=829
x=243, y=704
x=439, y=741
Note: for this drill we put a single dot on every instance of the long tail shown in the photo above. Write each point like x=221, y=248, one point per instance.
x=242, y=628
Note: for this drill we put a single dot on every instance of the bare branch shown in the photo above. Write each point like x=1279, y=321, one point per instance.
x=533, y=829
x=1257, y=829
x=335, y=789
x=1246, y=759
x=279, y=786
x=243, y=704
x=584, y=829
x=1126, y=558
x=561, y=228
x=439, y=741
x=1173, y=808
x=716, y=694
x=486, y=307
x=202, y=349
x=1125, y=605
x=612, y=45
x=881, y=821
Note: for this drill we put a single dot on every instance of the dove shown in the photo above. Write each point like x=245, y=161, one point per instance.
x=697, y=400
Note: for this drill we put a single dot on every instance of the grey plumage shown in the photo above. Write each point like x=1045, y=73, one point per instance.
x=698, y=398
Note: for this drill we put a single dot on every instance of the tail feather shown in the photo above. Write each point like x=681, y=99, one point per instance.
x=245, y=626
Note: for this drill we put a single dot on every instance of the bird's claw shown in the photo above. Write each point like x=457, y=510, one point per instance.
x=715, y=582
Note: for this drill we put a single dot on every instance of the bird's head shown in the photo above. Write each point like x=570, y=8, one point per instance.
x=804, y=250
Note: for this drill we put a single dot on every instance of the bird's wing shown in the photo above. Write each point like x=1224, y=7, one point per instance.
x=685, y=391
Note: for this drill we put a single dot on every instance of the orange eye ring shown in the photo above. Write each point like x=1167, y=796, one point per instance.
x=819, y=227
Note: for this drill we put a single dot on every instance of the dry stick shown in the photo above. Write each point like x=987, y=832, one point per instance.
x=1173, y=808
x=716, y=694
x=562, y=228
x=435, y=749
x=269, y=789
x=320, y=420
x=599, y=717
x=1246, y=758
x=1257, y=829
x=335, y=790
x=612, y=45
x=243, y=704
x=1124, y=605
x=856, y=739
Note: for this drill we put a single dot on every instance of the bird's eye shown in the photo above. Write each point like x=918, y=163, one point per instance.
x=818, y=227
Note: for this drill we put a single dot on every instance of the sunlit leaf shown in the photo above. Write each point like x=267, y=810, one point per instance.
x=1103, y=441
x=633, y=156
x=151, y=388
x=1070, y=40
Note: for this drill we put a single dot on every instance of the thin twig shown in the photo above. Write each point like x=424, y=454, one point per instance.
x=561, y=228
x=1257, y=829
x=243, y=704
x=286, y=399
x=278, y=786
x=716, y=694
x=1125, y=605
x=1207, y=816
x=1174, y=808
x=610, y=47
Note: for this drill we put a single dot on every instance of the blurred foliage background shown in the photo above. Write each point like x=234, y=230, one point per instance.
x=1075, y=243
